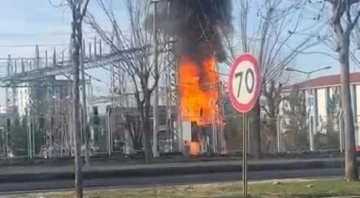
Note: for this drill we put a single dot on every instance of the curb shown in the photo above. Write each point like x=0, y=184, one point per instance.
x=189, y=169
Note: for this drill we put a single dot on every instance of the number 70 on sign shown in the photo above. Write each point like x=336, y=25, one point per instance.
x=244, y=83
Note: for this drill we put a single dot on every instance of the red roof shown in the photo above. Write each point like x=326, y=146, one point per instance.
x=326, y=81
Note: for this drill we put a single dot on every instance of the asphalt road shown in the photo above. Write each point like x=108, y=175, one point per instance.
x=59, y=185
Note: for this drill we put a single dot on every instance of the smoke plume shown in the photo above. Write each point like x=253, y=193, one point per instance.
x=198, y=25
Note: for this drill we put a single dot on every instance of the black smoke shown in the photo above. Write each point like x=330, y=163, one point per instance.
x=199, y=26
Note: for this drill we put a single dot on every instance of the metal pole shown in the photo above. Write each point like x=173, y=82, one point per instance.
x=311, y=116
x=83, y=86
x=108, y=129
x=7, y=132
x=313, y=119
x=34, y=120
x=278, y=133
x=179, y=132
x=341, y=132
x=156, y=91
x=170, y=123
x=28, y=131
x=245, y=148
x=214, y=130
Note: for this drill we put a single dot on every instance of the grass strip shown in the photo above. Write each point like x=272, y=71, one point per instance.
x=291, y=189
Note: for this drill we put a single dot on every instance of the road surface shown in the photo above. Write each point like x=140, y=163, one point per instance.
x=59, y=185
x=39, y=169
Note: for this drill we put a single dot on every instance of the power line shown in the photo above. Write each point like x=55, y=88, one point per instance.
x=39, y=33
x=33, y=45
x=88, y=34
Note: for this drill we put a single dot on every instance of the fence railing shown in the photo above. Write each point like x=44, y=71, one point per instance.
x=286, y=134
x=47, y=137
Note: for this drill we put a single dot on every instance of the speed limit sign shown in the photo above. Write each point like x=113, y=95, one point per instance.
x=244, y=83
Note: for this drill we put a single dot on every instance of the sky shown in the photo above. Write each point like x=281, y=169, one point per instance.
x=25, y=23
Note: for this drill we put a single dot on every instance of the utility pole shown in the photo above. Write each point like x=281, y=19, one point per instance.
x=84, y=118
x=156, y=91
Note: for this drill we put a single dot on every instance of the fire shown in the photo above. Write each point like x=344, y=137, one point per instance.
x=199, y=91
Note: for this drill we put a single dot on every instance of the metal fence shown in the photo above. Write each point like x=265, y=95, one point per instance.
x=113, y=133
x=286, y=134
x=35, y=136
x=295, y=134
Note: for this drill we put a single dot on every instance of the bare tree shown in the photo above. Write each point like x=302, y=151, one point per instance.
x=133, y=47
x=270, y=37
x=272, y=93
x=132, y=125
x=294, y=135
x=60, y=135
x=344, y=17
x=78, y=10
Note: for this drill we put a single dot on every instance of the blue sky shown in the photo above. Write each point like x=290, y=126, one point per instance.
x=25, y=23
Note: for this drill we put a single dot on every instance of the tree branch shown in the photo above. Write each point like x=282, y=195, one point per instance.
x=84, y=10
x=352, y=24
x=61, y=4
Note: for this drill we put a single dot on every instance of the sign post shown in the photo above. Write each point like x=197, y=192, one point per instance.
x=244, y=86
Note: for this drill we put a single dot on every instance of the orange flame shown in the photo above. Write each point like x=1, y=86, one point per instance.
x=199, y=91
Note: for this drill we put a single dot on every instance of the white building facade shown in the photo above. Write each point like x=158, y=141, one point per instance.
x=324, y=88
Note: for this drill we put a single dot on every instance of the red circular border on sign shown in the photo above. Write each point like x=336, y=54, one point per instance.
x=244, y=108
